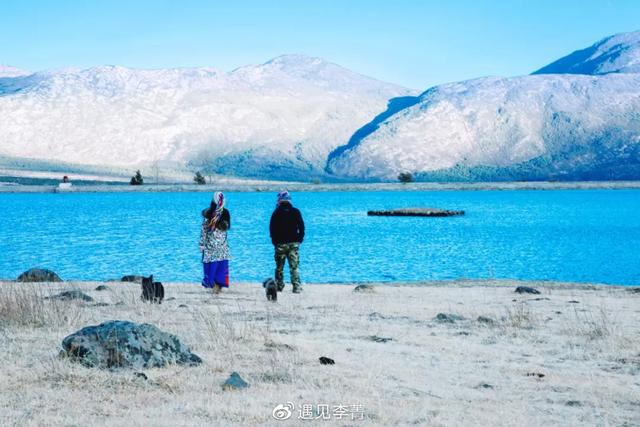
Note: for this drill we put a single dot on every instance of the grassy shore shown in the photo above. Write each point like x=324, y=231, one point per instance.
x=569, y=356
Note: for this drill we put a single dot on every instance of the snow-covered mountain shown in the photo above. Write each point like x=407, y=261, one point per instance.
x=542, y=126
x=615, y=54
x=280, y=119
x=8, y=71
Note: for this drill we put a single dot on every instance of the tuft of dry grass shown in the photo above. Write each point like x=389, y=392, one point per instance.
x=31, y=306
x=519, y=316
x=592, y=325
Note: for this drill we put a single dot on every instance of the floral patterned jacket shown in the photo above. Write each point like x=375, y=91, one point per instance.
x=216, y=247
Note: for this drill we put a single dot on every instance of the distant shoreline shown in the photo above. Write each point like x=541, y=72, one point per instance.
x=307, y=187
x=453, y=283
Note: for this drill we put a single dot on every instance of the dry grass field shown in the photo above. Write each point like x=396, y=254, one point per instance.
x=570, y=356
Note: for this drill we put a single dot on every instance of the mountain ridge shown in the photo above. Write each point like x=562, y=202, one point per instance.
x=542, y=126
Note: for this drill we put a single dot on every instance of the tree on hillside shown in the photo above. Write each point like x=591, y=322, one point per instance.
x=199, y=179
x=137, y=179
x=405, y=177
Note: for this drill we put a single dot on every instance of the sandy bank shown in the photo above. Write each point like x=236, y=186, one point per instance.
x=569, y=356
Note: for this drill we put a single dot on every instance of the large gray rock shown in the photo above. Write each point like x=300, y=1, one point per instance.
x=39, y=275
x=123, y=344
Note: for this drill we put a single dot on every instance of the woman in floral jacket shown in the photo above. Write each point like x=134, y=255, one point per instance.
x=213, y=244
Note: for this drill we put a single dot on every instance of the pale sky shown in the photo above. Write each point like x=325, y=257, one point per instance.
x=409, y=42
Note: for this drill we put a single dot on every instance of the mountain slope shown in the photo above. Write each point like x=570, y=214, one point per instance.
x=557, y=126
x=280, y=119
x=615, y=54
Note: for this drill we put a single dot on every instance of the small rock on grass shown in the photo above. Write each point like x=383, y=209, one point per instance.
x=326, y=361
x=101, y=288
x=448, y=318
x=376, y=338
x=526, y=290
x=71, y=295
x=485, y=386
x=140, y=375
x=486, y=320
x=234, y=382
x=535, y=374
x=364, y=289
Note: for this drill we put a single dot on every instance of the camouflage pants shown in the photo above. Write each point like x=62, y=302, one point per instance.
x=288, y=252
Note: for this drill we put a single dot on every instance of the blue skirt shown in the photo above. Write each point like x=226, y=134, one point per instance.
x=216, y=273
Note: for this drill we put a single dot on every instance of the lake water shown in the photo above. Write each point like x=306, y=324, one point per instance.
x=568, y=235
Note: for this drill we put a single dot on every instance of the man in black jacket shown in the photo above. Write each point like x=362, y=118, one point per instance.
x=287, y=232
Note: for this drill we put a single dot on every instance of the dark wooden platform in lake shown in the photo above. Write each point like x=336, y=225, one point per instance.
x=415, y=212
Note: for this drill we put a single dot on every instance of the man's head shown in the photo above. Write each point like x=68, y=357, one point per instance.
x=284, y=197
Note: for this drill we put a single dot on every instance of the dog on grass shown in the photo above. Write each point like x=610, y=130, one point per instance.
x=271, y=289
x=152, y=292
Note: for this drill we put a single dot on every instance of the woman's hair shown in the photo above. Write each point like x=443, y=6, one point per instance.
x=214, y=213
x=208, y=213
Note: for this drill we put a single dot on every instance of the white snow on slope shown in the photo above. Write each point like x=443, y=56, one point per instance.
x=275, y=118
x=615, y=54
x=546, y=126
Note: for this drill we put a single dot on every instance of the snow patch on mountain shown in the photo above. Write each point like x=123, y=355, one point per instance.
x=553, y=126
x=577, y=118
x=615, y=54
x=279, y=119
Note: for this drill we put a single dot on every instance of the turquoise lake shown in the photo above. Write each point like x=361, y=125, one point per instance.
x=566, y=235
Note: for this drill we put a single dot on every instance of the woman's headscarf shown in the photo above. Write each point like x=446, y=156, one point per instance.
x=218, y=199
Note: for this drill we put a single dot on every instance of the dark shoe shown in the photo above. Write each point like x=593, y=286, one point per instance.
x=281, y=288
x=297, y=289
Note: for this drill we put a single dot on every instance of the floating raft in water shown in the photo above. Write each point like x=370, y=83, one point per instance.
x=415, y=212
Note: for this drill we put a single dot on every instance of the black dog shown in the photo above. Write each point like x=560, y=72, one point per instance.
x=271, y=288
x=152, y=292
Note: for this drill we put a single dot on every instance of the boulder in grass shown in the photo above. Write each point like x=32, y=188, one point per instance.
x=101, y=288
x=72, y=295
x=39, y=275
x=526, y=290
x=124, y=344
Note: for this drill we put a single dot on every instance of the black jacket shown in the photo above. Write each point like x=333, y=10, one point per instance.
x=286, y=225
